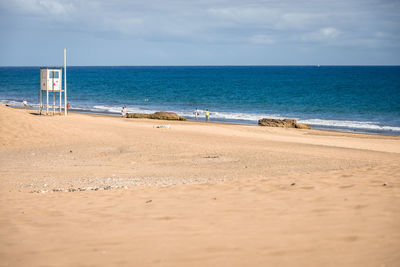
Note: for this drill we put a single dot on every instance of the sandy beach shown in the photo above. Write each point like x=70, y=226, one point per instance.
x=90, y=190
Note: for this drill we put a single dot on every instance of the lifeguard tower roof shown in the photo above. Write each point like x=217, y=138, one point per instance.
x=51, y=67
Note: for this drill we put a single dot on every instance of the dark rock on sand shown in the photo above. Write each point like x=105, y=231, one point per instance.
x=285, y=123
x=303, y=126
x=157, y=116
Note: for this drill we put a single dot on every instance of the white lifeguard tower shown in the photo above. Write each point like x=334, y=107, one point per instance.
x=51, y=83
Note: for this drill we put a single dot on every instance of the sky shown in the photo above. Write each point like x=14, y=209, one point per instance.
x=199, y=32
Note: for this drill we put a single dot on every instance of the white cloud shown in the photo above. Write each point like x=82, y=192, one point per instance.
x=214, y=21
x=246, y=15
x=330, y=32
x=262, y=39
x=297, y=20
x=324, y=34
x=41, y=7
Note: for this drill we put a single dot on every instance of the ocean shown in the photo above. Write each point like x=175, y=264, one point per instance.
x=343, y=98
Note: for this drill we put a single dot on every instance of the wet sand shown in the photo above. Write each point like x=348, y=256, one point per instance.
x=87, y=190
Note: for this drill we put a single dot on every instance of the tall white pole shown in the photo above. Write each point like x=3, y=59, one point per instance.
x=65, y=81
x=60, y=92
x=47, y=101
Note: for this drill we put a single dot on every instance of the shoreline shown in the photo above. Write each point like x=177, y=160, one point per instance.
x=233, y=122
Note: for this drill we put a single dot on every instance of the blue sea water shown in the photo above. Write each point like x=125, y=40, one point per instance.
x=344, y=98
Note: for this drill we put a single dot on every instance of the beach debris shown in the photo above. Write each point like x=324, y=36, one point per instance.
x=292, y=184
x=112, y=183
x=162, y=126
x=211, y=157
x=285, y=123
x=57, y=190
x=148, y=201
x=384, y=184
x=79, y=189
x=70, y=151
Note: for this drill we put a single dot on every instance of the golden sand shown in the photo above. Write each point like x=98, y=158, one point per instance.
x=86, y=190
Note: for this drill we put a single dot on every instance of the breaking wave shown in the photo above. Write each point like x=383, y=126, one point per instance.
x=235, y=117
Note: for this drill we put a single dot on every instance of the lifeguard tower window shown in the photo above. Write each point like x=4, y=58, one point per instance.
x=53, y=74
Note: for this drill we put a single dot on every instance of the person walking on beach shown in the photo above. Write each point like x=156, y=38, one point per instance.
x=68, y=107
x=207, y=115
x=196, y=113
x=123, y=111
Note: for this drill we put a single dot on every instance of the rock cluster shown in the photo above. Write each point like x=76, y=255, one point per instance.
x=157, y=116
x=285, y=123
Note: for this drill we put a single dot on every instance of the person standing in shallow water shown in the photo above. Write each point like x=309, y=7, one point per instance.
x=207, y=115
x=196, y=113
x=123, y=111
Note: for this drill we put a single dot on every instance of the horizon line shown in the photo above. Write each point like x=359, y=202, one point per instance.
x=246, y=65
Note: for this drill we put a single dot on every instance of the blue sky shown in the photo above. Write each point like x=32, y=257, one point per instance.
x=201, y=32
